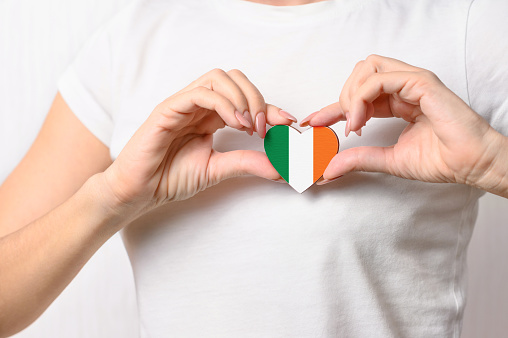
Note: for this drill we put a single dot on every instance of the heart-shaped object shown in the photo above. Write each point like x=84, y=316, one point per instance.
x=300, y=158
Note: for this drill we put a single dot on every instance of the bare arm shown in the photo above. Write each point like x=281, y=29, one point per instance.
x=40, y=260
x=63, y=156
x=54, y=247
x=66, y=198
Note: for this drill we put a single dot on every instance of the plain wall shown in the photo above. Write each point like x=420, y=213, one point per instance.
x=38, y=39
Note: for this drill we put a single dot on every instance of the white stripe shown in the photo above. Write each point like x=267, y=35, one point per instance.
x=301, y=159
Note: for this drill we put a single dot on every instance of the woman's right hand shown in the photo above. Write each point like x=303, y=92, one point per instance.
x=170, y=157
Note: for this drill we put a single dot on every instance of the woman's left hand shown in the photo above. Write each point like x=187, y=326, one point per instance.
x=445, y=140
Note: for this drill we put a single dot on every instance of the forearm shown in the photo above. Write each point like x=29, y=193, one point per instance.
x=39, y=260
x=495, y=177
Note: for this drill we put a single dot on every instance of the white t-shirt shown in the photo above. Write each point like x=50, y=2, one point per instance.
x=369, y=255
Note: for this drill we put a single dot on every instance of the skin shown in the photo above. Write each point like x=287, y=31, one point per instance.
x=75, y=205
x=445, y=141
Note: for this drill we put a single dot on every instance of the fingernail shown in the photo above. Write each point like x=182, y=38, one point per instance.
x=323, y=182
x=246, y=114
x=305, y=121
x=279, y=180
x=242, y=120
x=348, y=127
x=359, y=132
x=287, y=115
x=261, y=124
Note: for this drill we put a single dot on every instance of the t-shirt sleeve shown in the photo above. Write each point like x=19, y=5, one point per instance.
x=86, y=85
x=487, y=61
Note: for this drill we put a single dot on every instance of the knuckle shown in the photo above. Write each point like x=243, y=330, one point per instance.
x=376, y=77
x=258, y=98
x=235, y=72
x=373, y=58
x=359, y=64
x=163, y=106
x=216, y=72
x=159, y=109
x=200, y=90
x=240, y=101
x=430, y=76
x=374, y=80
x=343, y=98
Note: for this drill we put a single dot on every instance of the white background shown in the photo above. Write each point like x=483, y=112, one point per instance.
x=38, y=39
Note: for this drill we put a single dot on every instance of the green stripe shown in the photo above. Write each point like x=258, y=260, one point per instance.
x=277, y=149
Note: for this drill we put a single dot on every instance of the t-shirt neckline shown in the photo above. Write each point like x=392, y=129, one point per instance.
x=253, y=11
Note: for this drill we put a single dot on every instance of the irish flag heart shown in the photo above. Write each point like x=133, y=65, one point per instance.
x=300, y=158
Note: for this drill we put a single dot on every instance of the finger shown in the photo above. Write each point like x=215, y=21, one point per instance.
x=177, y=108
x=305, y=121
x=340, y=110
x=363, y=70
x=333, y=113
x=255, y=100
x=377, y=64
x=386, y=83
x=368, y=159
x=259, y=113
x=220, y=81
x=241, y=162
x=208, y=124
x=345, y=96
x=327, y=116
x=275, y=115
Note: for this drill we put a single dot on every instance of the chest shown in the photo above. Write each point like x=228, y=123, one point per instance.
x=300, y=68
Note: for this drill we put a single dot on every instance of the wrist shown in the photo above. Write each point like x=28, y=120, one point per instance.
x=495, y=178
x=111, y=212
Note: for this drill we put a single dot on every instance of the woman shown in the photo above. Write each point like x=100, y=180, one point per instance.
x=370, y=255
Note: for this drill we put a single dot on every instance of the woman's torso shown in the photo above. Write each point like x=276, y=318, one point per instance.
x=369, y=255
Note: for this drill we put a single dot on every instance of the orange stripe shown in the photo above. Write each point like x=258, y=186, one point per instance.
x=325, y=148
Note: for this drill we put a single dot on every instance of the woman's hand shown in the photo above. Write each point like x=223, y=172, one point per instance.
x=171, y=158
x=445, y=141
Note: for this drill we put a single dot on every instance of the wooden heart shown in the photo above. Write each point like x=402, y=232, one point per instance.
x=300, y=158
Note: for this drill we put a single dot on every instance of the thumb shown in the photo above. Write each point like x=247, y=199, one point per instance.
x=241, y=162
x=368, y=159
